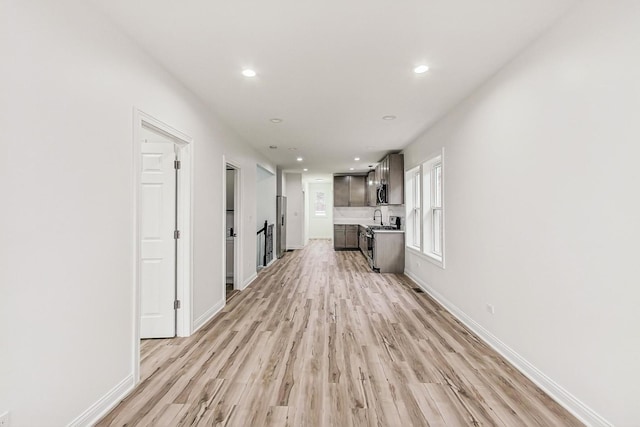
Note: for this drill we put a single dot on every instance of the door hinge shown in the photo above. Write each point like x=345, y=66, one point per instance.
x=176, y=164
x=176, y=234
x=176, y=304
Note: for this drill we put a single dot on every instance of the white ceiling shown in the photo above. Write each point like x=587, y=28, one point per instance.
x=332, y=68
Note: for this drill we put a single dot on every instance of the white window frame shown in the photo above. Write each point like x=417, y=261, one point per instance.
x=413, y=226
x=429, y=208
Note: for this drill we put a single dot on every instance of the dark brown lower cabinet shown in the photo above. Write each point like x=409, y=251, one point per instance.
x=345, y=236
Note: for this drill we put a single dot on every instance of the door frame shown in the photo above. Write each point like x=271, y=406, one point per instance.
x=237, y=223
x=185, y=220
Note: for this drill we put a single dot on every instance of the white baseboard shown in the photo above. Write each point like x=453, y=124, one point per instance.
x=554, y=390
x=104, y=404
x=271, y=262
x=249, y=281
x=208, y=315
x=295, y=247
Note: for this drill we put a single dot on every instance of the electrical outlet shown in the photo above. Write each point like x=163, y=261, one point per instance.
x=417, y=264
x=4, y=420
x=491, y=309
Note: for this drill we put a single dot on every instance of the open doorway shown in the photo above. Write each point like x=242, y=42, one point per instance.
x=265, y=216
x=162, y=232
x=232, y=227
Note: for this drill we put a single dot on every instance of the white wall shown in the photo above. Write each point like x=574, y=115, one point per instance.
x=320, y=227
x=542, y=208
x=69, y=83
x=265, y=197
x=295, y=210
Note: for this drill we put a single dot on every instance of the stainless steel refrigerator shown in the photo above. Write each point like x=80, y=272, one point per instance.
x=281, y=225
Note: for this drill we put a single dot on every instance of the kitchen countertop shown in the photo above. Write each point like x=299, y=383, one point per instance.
x=364, y=223
x=388, y=231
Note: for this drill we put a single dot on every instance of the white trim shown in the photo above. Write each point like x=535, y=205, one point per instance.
x=571, y=403
x=238, y=213
x=295, y=247
x=427, y=170
x=185, y=243
x=413, y=207
x=238, y=226
x=103, y=405
x=208, y=315
x=185, y=214
x=427, y=257
x=223, y=203
x=424, y=173
x=274, y=259
x=250, y=280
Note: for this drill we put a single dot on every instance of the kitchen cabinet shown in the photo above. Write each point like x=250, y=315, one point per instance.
x=362, y=239
x=351, y=232
x=371, y=184
x=340, y=191
x=339, y=237
x=388, y=251
x=345, y=236
x=357, y=190
x=390, y=174
x=349, y=190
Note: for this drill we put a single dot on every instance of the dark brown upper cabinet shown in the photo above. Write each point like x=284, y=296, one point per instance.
x=349, y=191
x=389, y=176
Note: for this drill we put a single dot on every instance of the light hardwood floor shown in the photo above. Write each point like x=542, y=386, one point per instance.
x=320, y=340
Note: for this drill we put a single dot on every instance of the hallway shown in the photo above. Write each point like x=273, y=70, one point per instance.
x=320, y=340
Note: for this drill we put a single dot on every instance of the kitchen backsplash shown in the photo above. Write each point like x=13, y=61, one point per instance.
x=342, y=213
x=367, y=213
x=395, y=210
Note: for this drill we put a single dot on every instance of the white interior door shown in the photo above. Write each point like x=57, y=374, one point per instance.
x=157, y=245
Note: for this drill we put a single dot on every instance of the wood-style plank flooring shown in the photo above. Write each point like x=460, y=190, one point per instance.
x=231, y=293
x=320, y=340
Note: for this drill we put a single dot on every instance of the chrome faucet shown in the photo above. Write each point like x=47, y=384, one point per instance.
x=374, y=215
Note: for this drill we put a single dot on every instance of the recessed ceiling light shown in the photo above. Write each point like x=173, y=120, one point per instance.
x=276, y=120
x=292, y=148
x=388, y=117
x=273, y=147
x=356, y=158
x=305, y=169
x=319, y=179
x=350, y=169
x=248, y=72
x=299, y=159
x=420, y=69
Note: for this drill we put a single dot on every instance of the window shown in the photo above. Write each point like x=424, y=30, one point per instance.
x=425, y=214
x=412, y=232
x=436, y=209
x=320, y=204
x=432, y=220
